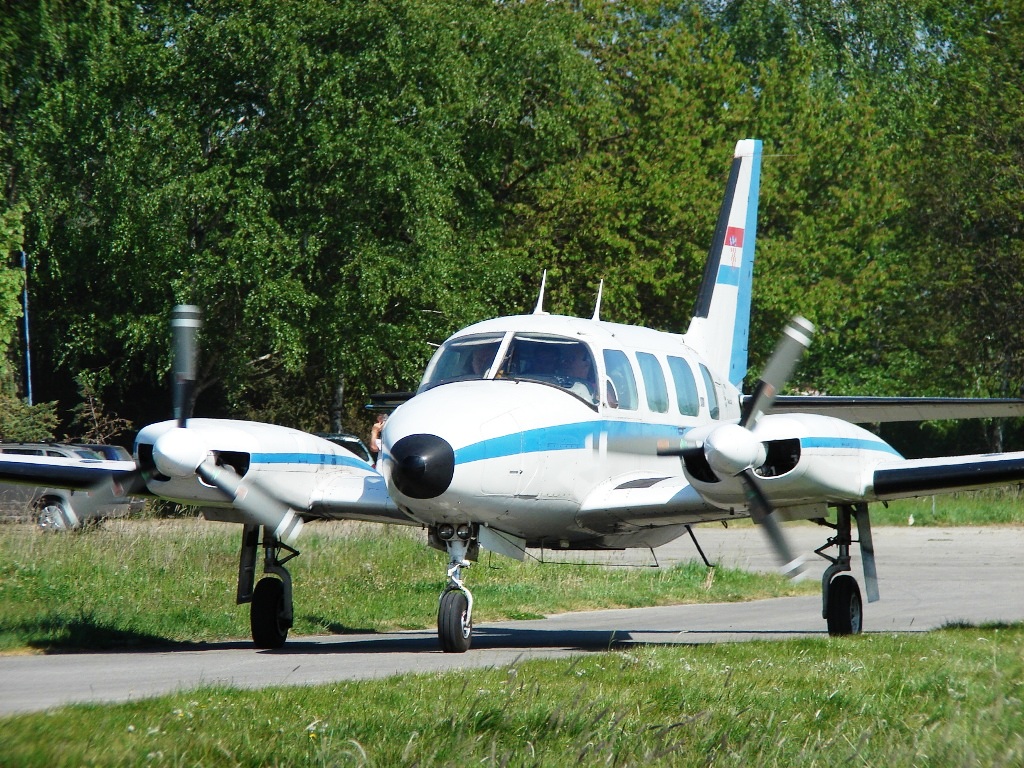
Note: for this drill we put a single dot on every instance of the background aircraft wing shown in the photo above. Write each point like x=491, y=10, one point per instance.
x=875, y=410
x=924, y=477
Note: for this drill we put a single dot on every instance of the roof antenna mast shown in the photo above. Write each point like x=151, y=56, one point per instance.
x=540, y=299
x=597, y=306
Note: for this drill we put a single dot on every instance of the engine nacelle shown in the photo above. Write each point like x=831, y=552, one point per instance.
x=806, y=457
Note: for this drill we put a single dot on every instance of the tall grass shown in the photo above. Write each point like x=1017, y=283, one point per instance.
x=136, y=583
x=947, y=698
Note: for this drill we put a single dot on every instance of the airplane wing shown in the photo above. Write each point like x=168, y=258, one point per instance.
x=344, y=489
x=924, y=477
x=61, y=472
x=644, y=501
x=874, y=410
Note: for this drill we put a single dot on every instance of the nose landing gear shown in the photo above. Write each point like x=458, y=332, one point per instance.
x=455, y=608
x=455, y=611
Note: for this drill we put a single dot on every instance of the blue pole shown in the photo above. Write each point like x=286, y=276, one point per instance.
x=28, y=341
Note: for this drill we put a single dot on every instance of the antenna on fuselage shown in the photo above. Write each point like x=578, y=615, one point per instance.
x=540, y=299
x=597, y=306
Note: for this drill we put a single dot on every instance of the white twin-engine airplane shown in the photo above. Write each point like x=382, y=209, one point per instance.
x=559, y=432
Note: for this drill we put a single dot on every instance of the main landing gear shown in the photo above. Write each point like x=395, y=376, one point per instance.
x=270, y=601
x=840, y=596
x=455, y=608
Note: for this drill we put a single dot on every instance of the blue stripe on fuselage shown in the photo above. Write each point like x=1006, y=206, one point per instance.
x=567, y=437
x=849, y=443
x=316, y=459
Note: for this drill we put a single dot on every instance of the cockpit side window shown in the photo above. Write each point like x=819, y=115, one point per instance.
x=462, y=359
x=622, y=392
x=562, y=362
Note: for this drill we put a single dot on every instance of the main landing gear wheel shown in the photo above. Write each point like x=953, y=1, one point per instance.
x=268, y=614
x=454, y=626
x=841, y=607
x=845, y=611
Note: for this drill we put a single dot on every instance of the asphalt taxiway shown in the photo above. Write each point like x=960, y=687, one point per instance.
x=928, y=577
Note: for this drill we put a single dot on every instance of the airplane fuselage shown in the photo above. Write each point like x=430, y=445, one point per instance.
x=502, y=434
x=521, y=443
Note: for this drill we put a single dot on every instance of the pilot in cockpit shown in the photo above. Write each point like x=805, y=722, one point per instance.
x=579, y=368
x=480, y=360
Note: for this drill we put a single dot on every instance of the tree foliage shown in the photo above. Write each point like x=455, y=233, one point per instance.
x=341, y=184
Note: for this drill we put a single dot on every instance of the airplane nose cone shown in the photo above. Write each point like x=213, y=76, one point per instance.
x=423, y=466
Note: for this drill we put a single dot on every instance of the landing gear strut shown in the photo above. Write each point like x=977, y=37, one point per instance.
x=455, y=608
x=841, y=605
x=270, y=602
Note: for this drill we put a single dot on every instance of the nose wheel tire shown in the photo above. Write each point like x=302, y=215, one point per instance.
x=454, y=628
x=845, y=611
x=267, y=614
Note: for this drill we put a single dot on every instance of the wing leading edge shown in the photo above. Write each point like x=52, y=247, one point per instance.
x=59, y=472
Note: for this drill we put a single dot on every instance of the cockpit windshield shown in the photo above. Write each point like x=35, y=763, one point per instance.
x=562, y=362
x=462, y=359
x=559, y=361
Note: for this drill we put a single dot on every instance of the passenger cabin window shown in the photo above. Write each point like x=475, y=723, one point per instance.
x=555, y=360
x=654, y=382
x=622, y=390
x=687, y=398
x=462, y=359
x=709, y=385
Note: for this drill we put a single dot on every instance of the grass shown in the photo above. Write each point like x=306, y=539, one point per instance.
x=990, y=507
x=945, y=698
x=143, y=583
x=952, y=697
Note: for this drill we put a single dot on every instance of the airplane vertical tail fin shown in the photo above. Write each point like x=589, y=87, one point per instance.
x=721, y=319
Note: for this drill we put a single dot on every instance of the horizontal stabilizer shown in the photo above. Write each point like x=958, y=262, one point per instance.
x=388, y=401
x=876, y=410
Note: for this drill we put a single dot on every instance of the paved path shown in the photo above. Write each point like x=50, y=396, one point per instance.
x=927, y=577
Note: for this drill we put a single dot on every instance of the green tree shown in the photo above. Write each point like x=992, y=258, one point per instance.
x=636, y=203
x=968, y=190
x=321, y=178
x=342, y=184
x=20, y=421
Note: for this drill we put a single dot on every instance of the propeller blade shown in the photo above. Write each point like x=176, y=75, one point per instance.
x=272, y=513
x=761, y=513
x=795, y=339
x=186, y=320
